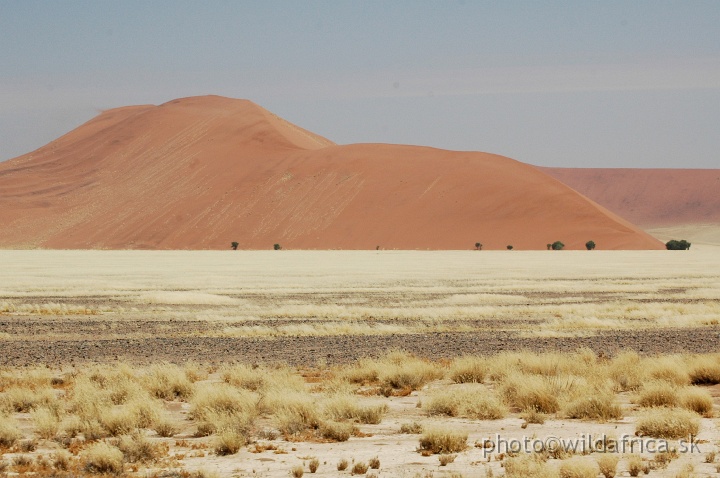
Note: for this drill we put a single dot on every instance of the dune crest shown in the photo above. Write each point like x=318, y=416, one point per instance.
x=200, y=172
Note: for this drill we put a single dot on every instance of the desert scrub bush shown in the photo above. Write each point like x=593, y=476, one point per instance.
x=402, y=370
x=23, y=400
x=220, y=398
x=61, y=460
x=228, y=442
x=579, y=467
x=532, y=415
x=359, y=468
x=342, y=464
x=374, y=463
x=314, y=465
x=101, y=458
x=47, y=422
x=297, y=471
x=627, y=371
x=601, y=407
x=9, y=432
x=412, y=428
x=668, y=423
x=471, y=401
x=337, y=431
x=446, y=459
x=528, y=466
x=165, y=428
x=293, y=413
x=167, y=381
x=607, y=462
x=137, y=448
x=468, y=369
x=346, y=407
x=697, y=400
x=438, y=440
x=636, y=465
x=657, y=394
x=530, y=391
x=364, y=371
x=704, y=369
x=668, y=368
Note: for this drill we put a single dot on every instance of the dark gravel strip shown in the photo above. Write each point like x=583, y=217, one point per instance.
x=343, y=349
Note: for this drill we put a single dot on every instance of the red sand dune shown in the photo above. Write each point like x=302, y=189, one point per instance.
x=198, y=173
x=650, y=197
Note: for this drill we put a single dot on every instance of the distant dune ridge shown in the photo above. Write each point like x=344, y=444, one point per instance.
x=201, y=172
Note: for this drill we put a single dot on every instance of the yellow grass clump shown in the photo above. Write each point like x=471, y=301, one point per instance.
x=608, y=462
x=47, y=422
x=530, y=392
x=102, y=458
x=657, y=394
x=468, y=369
x=443, y=440
x=704, y=370
x=697, y=400
x=579, y=467
x=167, y=381
x=671, y=423
x=528, y=466
x=471, y=401
x=346, y=407
x=601, y=407
x=9, y=432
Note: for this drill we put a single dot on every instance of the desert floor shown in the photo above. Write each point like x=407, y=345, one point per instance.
x=320, y=312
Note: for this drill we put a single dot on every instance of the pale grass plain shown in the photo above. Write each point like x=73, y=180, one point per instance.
x=325, y=293
x=241, y=420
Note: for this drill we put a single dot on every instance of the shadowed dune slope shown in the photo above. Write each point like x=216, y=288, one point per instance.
x=198, y=173
x=650, y=197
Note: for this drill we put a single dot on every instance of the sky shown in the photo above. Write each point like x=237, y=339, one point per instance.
x=554, y=83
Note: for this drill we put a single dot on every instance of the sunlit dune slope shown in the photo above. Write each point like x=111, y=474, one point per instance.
x=198, y=173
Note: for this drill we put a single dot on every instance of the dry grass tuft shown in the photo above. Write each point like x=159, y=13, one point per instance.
x=314, y=465
x=528, y=466
x=607, y=462
x=532, y=415
x=374, y=463
x=229, y=442
x=336, y=431
x=658, y=394
x=437, y=440
x=697, y=400
x=668, y=423
x=359, y=468
x=9, y=432
x=297, y=471
x=446, y=459
x=102, y=458
x=402, y=370
x=167, y=381
x=346, y=407
x=342, y=464
x=601, y=407
x=47, y=422
x=579, y=467
x=704, y=370
x=471, y=401
x=137, y=448
x=530, y=392
x=468, y=369
x=413, y=428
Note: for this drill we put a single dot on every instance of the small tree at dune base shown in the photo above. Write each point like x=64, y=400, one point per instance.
x=674, y=245
x=234, y=245
x=510, y=247
x=557, y=246
x=590, y=245
x=277, y=247
x=478, y=246
x=549, y=246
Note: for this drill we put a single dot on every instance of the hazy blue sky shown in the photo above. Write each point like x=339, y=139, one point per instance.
x=572, y=83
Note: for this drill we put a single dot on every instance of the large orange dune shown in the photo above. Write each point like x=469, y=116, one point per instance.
x=198, y=173
x=650, y=197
